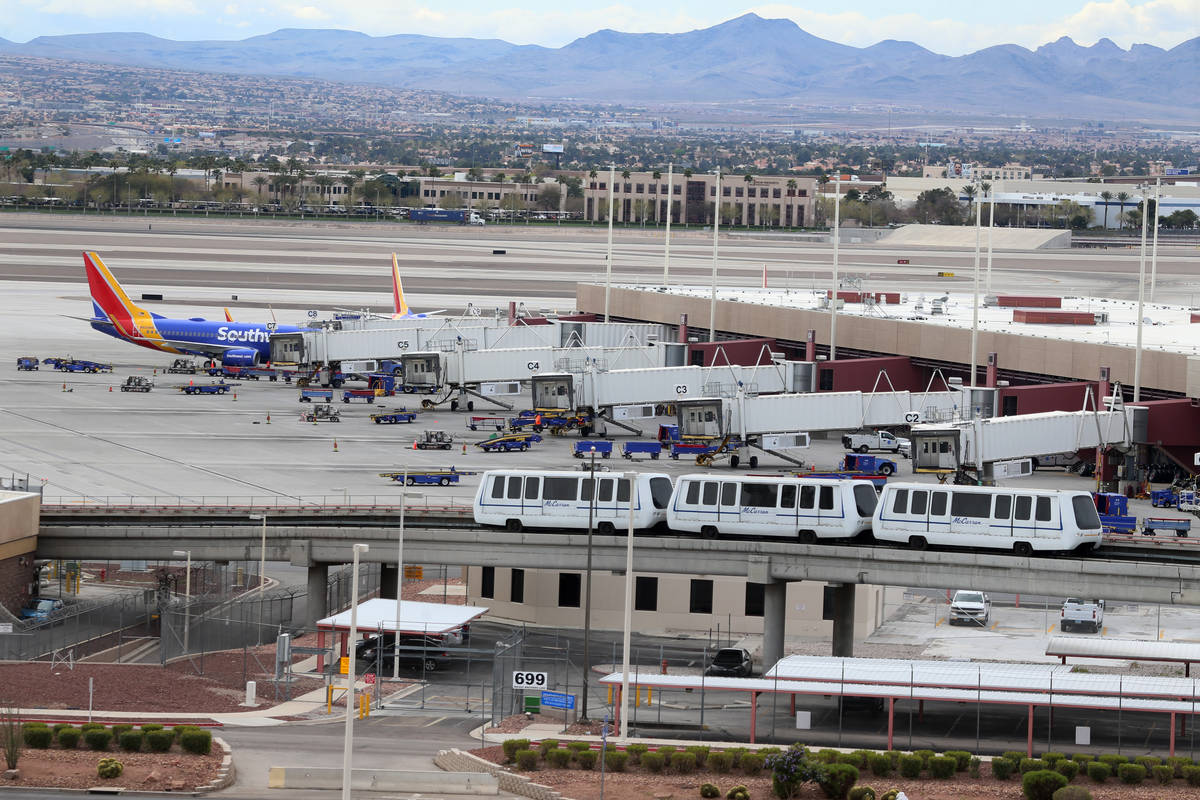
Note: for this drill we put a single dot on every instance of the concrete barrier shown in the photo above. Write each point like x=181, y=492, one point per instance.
x=455, y=759
x=384, y=780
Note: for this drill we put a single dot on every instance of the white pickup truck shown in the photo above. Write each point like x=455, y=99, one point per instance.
x=1086, y=614
x=877, y=440
x=970, y=608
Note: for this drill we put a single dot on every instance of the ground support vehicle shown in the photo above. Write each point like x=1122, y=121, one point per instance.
x=397, y=417
x=878, y=481
x=521, y=498
x=508, y=442
x=207, y=388
x=54, y=361
x=427, y=477
x=358, y=394
x=1181, y=525
x=708, y=451
x=92, y=367
x=27, y=363
x=877, y=440
x=137, y=383
x=475, y=423
x=871, y=465
x=1164, y=498
x=1114, y=512
x=584, y=448
x=970, y=607
x=321, y=414
x=182, y=366
x=231, y=372
x=652, y=449
x=316, y=395
x=731, y=662
x=434, y=440
x=1086, y=614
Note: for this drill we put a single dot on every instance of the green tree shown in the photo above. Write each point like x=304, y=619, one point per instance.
x=1106, y=196
x=1122, y=199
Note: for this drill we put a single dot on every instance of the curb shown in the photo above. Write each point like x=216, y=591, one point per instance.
x=456, y=760
x=226, y=774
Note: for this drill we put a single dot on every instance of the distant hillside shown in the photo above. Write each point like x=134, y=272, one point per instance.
x=745, y=58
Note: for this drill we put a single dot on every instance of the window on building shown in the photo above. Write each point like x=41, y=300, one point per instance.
x=752, y=192
x=826, y=380
x=569, y=589
x=725, y=191
x=628, y=188
x=700, y=599
x=804, y=192
x=641, y=188
x=775, y=193
x=603, y=186
x=677, y=189
x=755, y=593
x=516, y=592
x=645, y=593
x=488, y=583
x=738, y=193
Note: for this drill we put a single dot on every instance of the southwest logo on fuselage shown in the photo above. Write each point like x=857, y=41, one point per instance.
x=243, y=344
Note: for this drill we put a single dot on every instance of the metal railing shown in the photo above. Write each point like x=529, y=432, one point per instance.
x=448, y=503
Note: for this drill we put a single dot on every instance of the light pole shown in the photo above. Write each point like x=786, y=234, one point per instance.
x=991, y=228
x=631, y=477
x=348, y=745
x=1154, y=246
x=587, y=591
x=975, y=301
x=612, y=188
x=837, y=240
x=667, y=242
x=712, y=303
x=400, y=576
x=1137, y=354
x=187, y=593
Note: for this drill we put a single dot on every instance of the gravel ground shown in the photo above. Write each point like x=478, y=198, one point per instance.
x=76, y=769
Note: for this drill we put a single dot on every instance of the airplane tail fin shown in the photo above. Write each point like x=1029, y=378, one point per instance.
x=401, y=305
x=109, y=298
x=228, y=316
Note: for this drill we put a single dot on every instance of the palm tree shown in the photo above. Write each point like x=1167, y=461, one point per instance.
x=1106, y=196
x=323, y=183
x=625, y=174
x=748, y=178
x=259, y=182
x=970, y=190
x=657, y=175
x=687, y=173
x=561, y=180
x=348, y=181
x=791, y=187
x=1122, y=198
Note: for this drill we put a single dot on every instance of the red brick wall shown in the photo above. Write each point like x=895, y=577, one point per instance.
x=16, y=574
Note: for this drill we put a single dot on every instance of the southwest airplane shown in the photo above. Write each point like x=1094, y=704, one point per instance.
x=234, y=344
x=399, y=303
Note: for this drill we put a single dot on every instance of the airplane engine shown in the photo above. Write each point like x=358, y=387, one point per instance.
x=242, y=357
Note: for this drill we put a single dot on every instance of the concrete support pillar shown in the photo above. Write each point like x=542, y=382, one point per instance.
x=389, y=581
x=993, y=367
x=810, y=346
x=843, y=620
x=683, y=329
x=774, y=622
x=317, y=599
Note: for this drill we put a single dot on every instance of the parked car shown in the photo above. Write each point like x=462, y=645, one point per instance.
x=1086, y=614
x=970, y=607
x=731, y=662
x=41, y=608
x=427, y=653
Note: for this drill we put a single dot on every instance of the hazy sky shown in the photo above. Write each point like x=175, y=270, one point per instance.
x=940, y=25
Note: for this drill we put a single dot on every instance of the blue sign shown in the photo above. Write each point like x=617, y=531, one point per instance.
x=558, y=700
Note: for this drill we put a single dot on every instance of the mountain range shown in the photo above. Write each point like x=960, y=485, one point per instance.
x=748, y=58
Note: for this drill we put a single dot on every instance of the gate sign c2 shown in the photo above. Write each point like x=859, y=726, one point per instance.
x=558, y=700
x=530, y=680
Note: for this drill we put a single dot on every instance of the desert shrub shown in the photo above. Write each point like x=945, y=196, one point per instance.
x=890, y=794
x=853, y=759
x=962, y=759
x=1072, y=793
x=527, y=760
x=701, y=753
x=1162, y=773
x=738, y=793
x=1148, y=761
x=943, y=767
x=586, y=759
x=37, y=738
x=925, y=756
x=667, y=752
x=615, y=760
x=790, y=771
x=653, y=762
x=973, y=766
x=558, y=758
x=709, y=790
x=827, y=756
x=1192, y=775
x=1099, y=771
x=683, y=763
x=509, y=746
x=1067, y=768
x=720, y=762
x=1002, y=768
x=862, y=793
x=1113, y=760
x=1041, y=784
x=1083, y=758
x=752, y=763
x=197, y=742
x=68, y=738
x=98, y=738
x=838, y=780
x=911, y=765
x=861, y=756
x=151, y=726
x=159, y=741
x=58, y=726
x=735, y=755
x=119, y=728
x=894, y=756
x=769, y=751
x=1177, y=763
x=179, y=730
x=92, y=726
x=578, y=747
x=36, y=724
x=636, y=751
x=130, y=741
x=1030, y=765
x=1131, y=774
x=880, y=764
x=109, y=767
x=1053, y=758
x=546, y=745
x=1014, y=756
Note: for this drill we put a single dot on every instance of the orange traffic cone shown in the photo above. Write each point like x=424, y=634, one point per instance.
x=64, y=387
x=110, y=388
x=235, y=395
x=414, y=444
x=335, y=445
x=464, y=448
x=268, y=417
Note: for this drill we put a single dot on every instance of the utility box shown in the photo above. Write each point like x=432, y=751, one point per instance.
x=533, y=704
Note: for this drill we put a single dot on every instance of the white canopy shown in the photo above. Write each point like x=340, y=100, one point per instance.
x=379, y=615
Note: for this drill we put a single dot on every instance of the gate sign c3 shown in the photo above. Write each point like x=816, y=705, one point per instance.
x=530, y=680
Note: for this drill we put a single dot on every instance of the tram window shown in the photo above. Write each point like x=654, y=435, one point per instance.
x=787, y=496
x=971, y=504
x=808, y=496
x=937, y=504
x=827, y=497
x=533, y=488
x=693, y=493
x=920, y=501
x=606, y=490
x=1024, y=507
x=900, y=503
x=1043, y=509
x=587, y=489
x=561, y=489
x=710, y=493
x=1003, y=506
x=729, y=494
x=514, y=488
x=622, y=491
x=759, y=495
x=660, y=492
x=497, y=488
